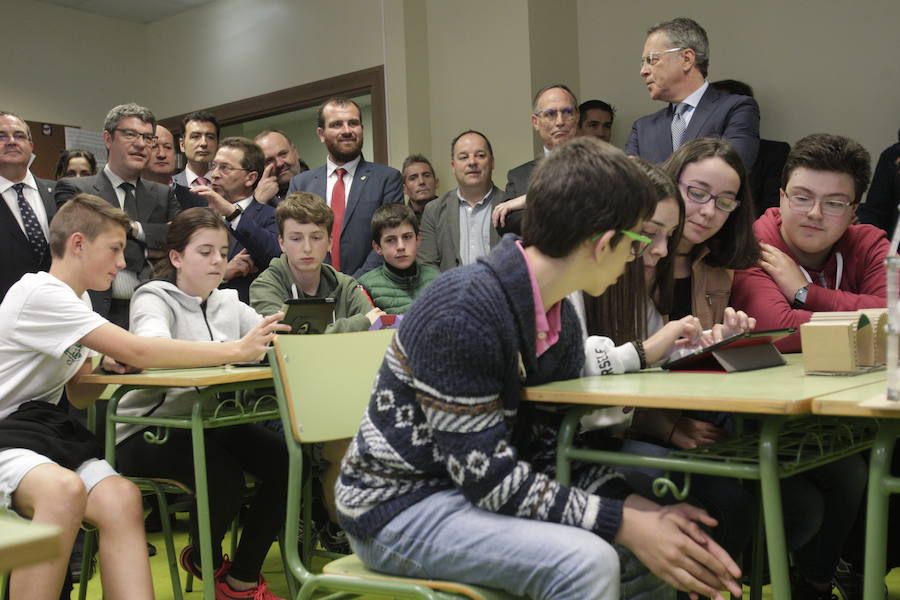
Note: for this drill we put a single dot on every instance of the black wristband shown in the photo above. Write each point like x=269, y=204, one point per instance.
x=234, y=215
x=639, y=346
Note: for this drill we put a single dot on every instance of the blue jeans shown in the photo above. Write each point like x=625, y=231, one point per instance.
x=447, y=537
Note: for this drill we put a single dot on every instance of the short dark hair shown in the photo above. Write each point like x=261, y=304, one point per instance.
x=392, y=214
x=417, y=158
x=686, y=33
x=732, y=86
x=467, y=132
x=583, y=188
x=594, y=105
x=561, y=86
x=734, y=246
x=835, y=153
x=200, y=115
x=62, y=165
x=179, y=233
x=304, y=207
x=337, y=101
x=124, y=111
x=6, y=113
x=254, y=160
x=86, y=214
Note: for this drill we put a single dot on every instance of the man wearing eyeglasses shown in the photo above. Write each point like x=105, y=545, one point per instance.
x=555, y=119
x=129, y=134
x=813, y=259
x=674, y=67
x=235, y=171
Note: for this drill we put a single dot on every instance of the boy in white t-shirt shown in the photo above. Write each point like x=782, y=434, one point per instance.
x=47, y=331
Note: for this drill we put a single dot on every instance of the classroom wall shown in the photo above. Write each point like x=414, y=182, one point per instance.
x=814, y=65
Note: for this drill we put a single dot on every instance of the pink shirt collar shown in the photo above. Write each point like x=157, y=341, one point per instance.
x=546, y=323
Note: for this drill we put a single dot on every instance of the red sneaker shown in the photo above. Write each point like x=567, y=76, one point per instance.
x=186, y=558
x=260, y=592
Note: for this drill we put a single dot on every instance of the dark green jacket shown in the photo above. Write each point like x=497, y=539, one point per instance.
x=394, y=293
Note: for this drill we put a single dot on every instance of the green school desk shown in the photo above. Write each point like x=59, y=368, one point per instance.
x=882, y=483
x=25, y=543
x=786, y=443
x=209, y=382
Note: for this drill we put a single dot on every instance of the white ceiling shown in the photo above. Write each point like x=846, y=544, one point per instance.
x=137, y=11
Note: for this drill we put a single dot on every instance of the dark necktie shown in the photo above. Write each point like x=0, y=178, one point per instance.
x=30, y=223
x=338, y=204
x=678, y=125
x=130, y=204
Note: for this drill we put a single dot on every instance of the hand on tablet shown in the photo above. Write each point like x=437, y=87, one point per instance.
x=734, y=322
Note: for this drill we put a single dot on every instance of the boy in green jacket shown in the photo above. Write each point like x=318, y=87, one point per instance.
x=304, y=234
x=395, y=235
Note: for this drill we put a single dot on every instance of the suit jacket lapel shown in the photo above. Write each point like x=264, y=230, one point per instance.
x=452, y=209
x=360, y=177
x=105, y=190
x=319, y=183
x=701, y=113
x=496, y=198
x=8, y=222
x=663, y=130
x=46, y=193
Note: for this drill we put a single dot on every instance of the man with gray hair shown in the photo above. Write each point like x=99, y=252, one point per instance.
x=129, y=134
x=674, y=67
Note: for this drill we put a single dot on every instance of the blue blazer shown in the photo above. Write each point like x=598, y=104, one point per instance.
x=257, y=232
x=373, y=185
x=18, y=257
x=731, y=116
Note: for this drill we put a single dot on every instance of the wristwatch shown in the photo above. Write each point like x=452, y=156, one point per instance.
x=800, y=296
x=237, y=212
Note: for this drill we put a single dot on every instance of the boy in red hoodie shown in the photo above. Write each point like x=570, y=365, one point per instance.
x=813, y=259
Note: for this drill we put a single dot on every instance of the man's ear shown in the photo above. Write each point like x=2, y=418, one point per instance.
x=281, y=243
x=377, y=248
x=321, y=133
x=534, y=122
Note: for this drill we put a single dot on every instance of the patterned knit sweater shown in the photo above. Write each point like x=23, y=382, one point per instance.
x=446, y=411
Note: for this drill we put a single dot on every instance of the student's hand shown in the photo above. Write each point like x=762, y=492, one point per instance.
x=690, y=433
x=734, y=322
x=684, y=331
x=783, y=270
x=267, y=188
x=256, y=342
x=215, y=200
x=239, y=266
x=374, y=314
x=111, y=365
x=498, y=217
x=669, y=541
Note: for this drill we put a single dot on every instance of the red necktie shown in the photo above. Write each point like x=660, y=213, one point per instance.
x=337, y=207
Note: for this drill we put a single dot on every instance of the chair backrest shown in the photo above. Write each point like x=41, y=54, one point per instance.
x=326, y=380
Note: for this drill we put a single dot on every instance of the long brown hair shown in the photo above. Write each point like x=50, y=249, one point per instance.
x=179, y=235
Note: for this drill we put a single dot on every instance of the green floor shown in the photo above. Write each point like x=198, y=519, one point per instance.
x=272, y=570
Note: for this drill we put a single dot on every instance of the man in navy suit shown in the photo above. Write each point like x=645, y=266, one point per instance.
x=20, y=233
x=674, y=66
x=129, y=134
x=350, y=185
x=234, y=173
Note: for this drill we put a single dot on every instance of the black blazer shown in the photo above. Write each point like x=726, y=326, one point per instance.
x=517, y=184
x=18, y=258
x=257, y=232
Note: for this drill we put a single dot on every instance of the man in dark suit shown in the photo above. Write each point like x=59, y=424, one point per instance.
x=27, y=208
x=199, y=143
x=281, y=153
x=456, y=228
x=234, y=172
x=674, y=67
x=129, y=134
x=555, y=119
x=350, y=185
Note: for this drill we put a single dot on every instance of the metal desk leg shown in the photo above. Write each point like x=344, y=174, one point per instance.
x=877, y=508
x=771, y=500
x=202, y=494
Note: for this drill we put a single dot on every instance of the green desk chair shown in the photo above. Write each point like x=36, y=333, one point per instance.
x=323, y=384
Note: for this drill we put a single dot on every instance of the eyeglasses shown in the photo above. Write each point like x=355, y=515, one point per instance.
x=130, y=135
x=568, y=114
x=19, y=136
x=639, y=243
x=830, y=208
x=225, y=169
x=724, y=202
x=654, y=57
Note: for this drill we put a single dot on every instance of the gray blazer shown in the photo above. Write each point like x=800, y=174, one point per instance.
x=440, y=230
x=731, y=116
x=180, y=178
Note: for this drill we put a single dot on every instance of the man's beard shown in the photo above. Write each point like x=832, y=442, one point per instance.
x=341, y=156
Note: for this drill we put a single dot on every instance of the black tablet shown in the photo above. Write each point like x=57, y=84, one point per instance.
x=308, y=315
x=701, y=358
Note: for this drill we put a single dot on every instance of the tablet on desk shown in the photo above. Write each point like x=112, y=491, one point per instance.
x=741, y=352
x=308, y=315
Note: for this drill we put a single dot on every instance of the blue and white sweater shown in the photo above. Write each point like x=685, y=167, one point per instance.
x=446, y=411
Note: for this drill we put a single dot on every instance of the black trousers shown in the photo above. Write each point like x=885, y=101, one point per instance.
x=230, y=452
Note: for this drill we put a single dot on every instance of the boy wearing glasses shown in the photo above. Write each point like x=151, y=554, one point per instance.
x=813, y=258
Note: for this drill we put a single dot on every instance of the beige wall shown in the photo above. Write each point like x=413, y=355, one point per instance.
x=814, y=65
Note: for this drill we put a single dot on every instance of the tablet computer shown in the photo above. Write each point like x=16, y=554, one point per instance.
x=707, y=359
x=308, y=315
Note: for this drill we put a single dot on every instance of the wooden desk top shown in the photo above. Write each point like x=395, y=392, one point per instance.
x=182, y=377
x=776, y=390
x=25, y=543
x=846, y=402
